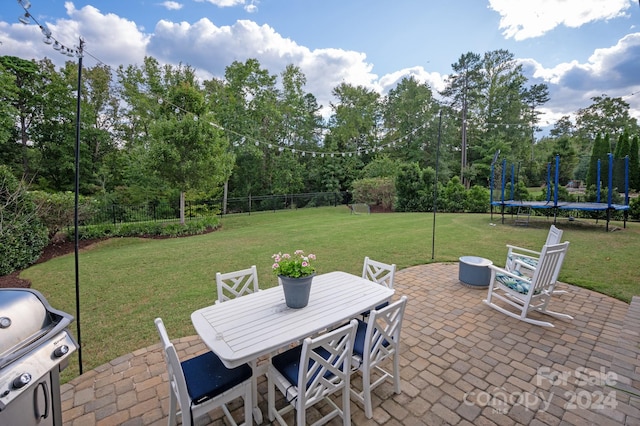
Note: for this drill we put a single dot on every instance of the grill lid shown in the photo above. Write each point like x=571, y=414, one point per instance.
x=25, y=319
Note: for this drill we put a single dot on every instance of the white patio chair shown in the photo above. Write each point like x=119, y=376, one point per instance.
x=309, y=373
x=377, y=340
x=237, y=283
x=525, y=294
x=380, y=273
x=201, y=384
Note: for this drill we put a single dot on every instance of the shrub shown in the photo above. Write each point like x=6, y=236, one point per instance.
x=414, y=188
x=454, y=196
x=22, y=234
x=634, y=208
x=375, y=192
x=477, y=199
x=57, y=211
x=145, y=229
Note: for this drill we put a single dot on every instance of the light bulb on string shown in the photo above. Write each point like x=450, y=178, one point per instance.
x=57, y=46
x=26, y=4
x=25, y=19
x=47, y=40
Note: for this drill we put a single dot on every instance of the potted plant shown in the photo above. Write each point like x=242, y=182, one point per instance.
x=296, y=273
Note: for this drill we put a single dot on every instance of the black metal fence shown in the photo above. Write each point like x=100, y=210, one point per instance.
x=170, y=211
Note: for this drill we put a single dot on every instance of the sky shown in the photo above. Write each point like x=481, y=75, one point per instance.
x=579, y=48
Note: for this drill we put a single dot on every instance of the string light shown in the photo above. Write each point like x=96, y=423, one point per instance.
x=48, y=38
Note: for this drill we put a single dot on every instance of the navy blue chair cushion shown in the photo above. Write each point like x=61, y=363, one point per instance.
x=358, y=343
x=365, y=314
x=288, y=363
x=207, y=377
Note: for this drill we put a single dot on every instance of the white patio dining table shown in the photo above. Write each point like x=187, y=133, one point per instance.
x=243, y=329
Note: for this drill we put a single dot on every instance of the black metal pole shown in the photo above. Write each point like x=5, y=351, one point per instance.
x=435, y=190
x=77, y=195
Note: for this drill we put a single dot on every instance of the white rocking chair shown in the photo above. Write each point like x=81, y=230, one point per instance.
x=524, y=293
x=524, y=261
x=527, y=256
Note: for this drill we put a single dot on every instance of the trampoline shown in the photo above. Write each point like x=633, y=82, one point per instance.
x=556, y=204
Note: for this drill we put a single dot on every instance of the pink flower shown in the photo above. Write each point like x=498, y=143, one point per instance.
x=275, y=266
x=312, y=256
x=305, y=264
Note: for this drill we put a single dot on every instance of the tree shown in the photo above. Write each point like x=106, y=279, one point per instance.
x=605, y=115
x=563, y=127
x=621, y=151
x=100, y=111
x=245, y=104
x=504, y=111
x=535, y=96
x=53, y=134
x=599, y=153
x=410, y=118
x=9, y=150
x=463, y=89
x=186, y=150
x=25, y=98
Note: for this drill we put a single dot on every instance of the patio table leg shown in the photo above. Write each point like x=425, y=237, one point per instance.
x=257, y=371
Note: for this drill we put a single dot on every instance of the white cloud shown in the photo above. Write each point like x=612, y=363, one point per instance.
x=211, y=48
x=613, y=71
x=223, y=3
x=112, y=39
x=521, y=20
x=252, y=7
x=172, y=5
x=435, y=80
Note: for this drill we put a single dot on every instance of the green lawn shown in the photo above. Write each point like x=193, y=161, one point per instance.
x=126, y=282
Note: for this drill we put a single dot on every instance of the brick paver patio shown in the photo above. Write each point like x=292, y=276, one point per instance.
x=463, y=363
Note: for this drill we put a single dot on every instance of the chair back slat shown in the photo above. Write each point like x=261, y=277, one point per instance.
x=548, y=268
x=237, y=283
x=553, y=236
x=325, y=364
x=379, y=272
x=382, y=338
